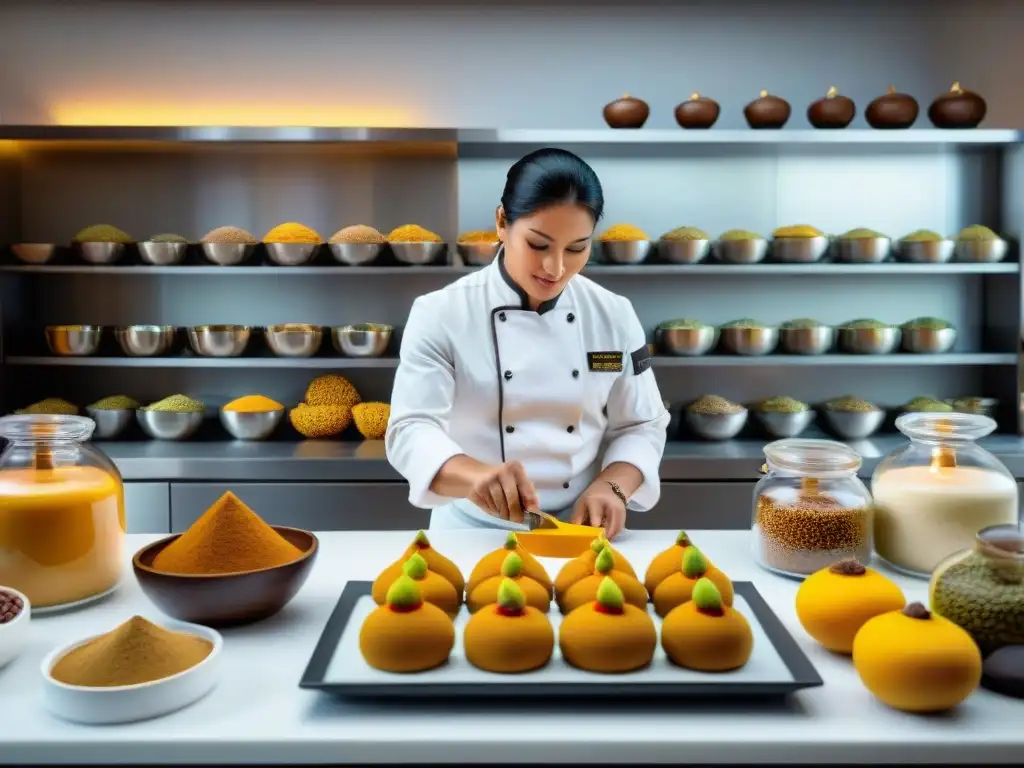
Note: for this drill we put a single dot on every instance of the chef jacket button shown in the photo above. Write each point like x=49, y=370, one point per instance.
x=508, y=375
x=570, y=317
x=570, y=428
x=575, y=373
x=510, y=429
x=501, y=316
x=565, y=485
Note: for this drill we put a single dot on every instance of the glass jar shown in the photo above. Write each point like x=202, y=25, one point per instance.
x=810, y=509
x=982, y=588
x=933, y=494
x=62, y=519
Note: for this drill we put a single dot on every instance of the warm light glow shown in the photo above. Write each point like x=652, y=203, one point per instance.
x=8, y=148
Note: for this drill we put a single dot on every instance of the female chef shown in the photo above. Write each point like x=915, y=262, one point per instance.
x=525, y=385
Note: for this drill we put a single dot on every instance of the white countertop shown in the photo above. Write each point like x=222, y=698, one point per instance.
x=258, y=714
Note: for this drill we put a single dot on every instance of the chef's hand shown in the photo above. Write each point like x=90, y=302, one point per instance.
x=600, y=507
x=504, y=490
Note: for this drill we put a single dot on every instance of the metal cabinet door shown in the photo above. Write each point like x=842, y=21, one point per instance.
x=147, y=507
x=712, y=506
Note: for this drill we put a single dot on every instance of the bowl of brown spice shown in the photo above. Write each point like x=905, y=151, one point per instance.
x=355, y=245
x=853, y=418
x=228, y=568
x=715, y=418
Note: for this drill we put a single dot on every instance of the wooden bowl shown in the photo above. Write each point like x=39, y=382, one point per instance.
x=957, y=109
x=226, y=599
x=627, y=112
x=833, y=111
x=767, y=112
x=892, y=111
x=697, y=112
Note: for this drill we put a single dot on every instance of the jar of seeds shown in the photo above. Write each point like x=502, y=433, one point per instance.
x=982, y=588
x=810, y=508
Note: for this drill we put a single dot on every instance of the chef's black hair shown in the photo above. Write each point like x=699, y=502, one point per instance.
x=550, y=177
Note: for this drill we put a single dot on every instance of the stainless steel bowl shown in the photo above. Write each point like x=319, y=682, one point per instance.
x=169, y=425
x=625, y=251
x=162, y=254
x=100, y=253
x=741, y=251
x=684, y=251
x=750, y=341
x=146, y=340
x=807, y=341
x=294, y=339
x=869, y=341
x=366, y=340
x=291, y=254
x=929, y=341
x=981, y=250
x=73, y=340
x=227, y=254
x=716, y=426
x=417, y=254
x=799, y=250
x=478, y=254
x=854, y=425
x=219, y=340
x=251, y=426
x=785, y=424
x=934, y=252
x=354, y=254
x=110, y=424
x=686, y=342
x=33, y=253
x=863, y=250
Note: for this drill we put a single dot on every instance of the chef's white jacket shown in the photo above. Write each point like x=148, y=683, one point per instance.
x=565, y=390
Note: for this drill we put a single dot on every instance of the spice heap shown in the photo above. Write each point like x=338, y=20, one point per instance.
x=623, y=233
x=802, y=323
x=972, y=405
x=865, y=324
x=682, y=324
x=115, y=403
x=292, y=232
x=136, y=652
x=798, y=231
x=168, y=238
x=327, y=408
x=923, y=236
x=927, y=324
x=413, y=233
x=782, y=405
x=253, y=404
x=228, y=538
x=11, y=606
x=103, y=233
x=685, y=233
x=860, y=233
x=740, y=234
x=481, y=236
x=985, y=596
x=976, y=234
x=229, y=236
x=926, y=404
x=850, y=404
x=713, y=405
x=52, y=406
x=358, y=234
x=746, y=323
x=371, y=419
x=177, y=404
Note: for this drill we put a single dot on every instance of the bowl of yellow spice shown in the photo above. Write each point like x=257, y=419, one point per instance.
x=251, y=417
x=355, y=245
x=624, y=244
x=684, y=245
x=291, y=244
x=101, y=243
x=112, y=415
x=174, y=418
x=923, y=246
x=412, y=244
x=478, y=247
x=799, y=244
x=979, y=244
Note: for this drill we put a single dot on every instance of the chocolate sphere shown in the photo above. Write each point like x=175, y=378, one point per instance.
x=833, y=111
x=626, y=112
x=892, y=110
x=697, y=112
x=957, y=109
x=767, y=112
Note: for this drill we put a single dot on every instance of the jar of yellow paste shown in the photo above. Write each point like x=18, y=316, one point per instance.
x=62, y=518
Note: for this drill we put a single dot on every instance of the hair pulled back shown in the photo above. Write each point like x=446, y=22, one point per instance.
x=549, y=177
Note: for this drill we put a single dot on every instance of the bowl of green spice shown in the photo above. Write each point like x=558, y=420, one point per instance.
x=784, y=416
x=806, y=336
x=715, y=418
x=749, y=337
x=863, y=246
x=924, y=246
x=866, y=336
x=853, y=418
x=163, y=250
x=112, y=415
x=928, y=335
x=740, y=246
x=174, y=418
x=979, y=244
x=927, y=404
x=684, y=245
x=101, y=243
x=685, y=338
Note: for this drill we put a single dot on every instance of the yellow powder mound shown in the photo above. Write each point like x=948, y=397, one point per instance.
x=332, y=389
x=228, y=538
x=623, y=233
x=797, y=230
x=413, y=233
x=358, y=233
x=478, y=236
x=372, y=419
x=319, y=421
x=292, y=232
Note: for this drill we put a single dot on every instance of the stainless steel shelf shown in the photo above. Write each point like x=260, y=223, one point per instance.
x=188, y=361
x=859, y=361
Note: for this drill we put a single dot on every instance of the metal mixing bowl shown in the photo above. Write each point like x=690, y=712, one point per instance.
x=854, y=425
x=110, y=424
x=162, y=254
x=366, y=340
x=478, y=254
x=935, y=252
x=73, y=340
x=625, y=251
x=417, y=254
x=976, y=251
x=355, y=254
x=863, y=250
x=741, y=251
x=799, y=250
x=169, y=425
x=146, y=340
x=227, y=254
x=716, y=426
x=785, y=424
x=251, y=426
x=687, y=342
x=100, y=253
x=869, y=341
x=294, y=339
x=683, y=251
x=219, y=340
x=928, y=340
x=750, y=341
x=33, y=253
x=807, y=341
x=291, y=254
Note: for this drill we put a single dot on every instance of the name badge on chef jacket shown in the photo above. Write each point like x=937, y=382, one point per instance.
x=604, y=362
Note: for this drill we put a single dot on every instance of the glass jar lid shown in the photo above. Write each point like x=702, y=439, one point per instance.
x=39, y=427
x=1002, y=542
x=945, y=427
x=812, y=457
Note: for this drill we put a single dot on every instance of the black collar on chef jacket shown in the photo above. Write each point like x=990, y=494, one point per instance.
x=543, y=307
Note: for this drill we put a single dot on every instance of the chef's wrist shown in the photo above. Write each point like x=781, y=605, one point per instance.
x=457, y=476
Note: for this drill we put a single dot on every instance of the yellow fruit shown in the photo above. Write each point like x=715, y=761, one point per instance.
x=371, y=419
x=332, y=389
x=320, y=420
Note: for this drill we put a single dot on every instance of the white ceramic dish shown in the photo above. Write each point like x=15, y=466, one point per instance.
x=14, y=634
x=130, y=703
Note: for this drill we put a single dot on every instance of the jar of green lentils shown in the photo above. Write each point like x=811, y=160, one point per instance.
x=982, y=588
